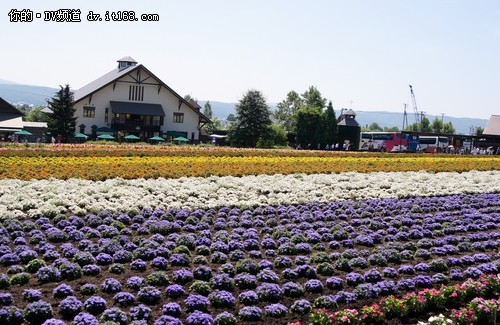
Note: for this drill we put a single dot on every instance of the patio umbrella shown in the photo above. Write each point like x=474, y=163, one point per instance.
x=80, y=136
x=131, y=137
x=182, y=139
x=105, y=137
x=105, y=129
x=157, y=138
x=23, y=132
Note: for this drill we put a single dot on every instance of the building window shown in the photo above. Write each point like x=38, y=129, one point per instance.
x=106, y=115
x=178, y=117
x=89, y=111
x=136, y=93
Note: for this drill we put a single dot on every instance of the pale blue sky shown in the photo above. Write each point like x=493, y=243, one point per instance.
x=361, y=53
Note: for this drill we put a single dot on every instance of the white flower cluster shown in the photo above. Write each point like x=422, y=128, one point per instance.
x=48, y=197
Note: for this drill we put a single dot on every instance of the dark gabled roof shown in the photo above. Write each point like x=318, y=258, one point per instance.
x=116, y=74
x=348, y=121
x=127, y=59
x=8, y=108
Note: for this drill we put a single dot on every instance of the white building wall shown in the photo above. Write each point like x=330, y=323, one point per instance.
x=168, y=101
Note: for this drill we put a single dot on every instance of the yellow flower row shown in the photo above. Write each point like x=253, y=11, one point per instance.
x=100, y=168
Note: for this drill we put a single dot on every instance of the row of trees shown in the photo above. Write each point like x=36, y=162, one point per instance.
x=299, y=118
x=437, y=126
x=302, y=119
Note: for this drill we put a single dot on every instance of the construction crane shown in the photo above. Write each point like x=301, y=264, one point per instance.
x=415, y=110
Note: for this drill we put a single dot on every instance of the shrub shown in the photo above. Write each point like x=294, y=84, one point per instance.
x=250, y=313
x=140, y=312
x=199, y=318
x=70, y=307
x=158, y=278
x=48, y=274
x=124, y=298
x=20, y=278
x=171, y=309
x=276, y=310
x=34, y=265
x=301, y=307
x=221, y=299
x=149, y=295
x=84, y=319
x=63, y=290
x=95, y=305
x=196, y=302
x=31, y=295
x=11, y=315
x=37, y=312
x=91, y=269
x=111, y=285
x=175, y=291
x=225, y=318
x=116, y=268
x=88, y=289
x=114, y=315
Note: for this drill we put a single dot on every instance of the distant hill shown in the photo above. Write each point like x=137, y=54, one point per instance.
x=383, y=118
x=37, y=95
x=25, y=94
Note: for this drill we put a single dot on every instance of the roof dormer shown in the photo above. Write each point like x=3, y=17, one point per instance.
x=126, y=62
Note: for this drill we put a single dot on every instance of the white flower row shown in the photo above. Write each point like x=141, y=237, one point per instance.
x=47, y=197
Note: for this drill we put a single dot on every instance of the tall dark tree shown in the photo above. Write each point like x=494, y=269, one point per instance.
x=329, y=125
x=253, y=119
x=62, y=121
x=448, y=128
x=309, y=131
x=312, y=98
x=207, y=109
x=437, y=125
x=286, y=111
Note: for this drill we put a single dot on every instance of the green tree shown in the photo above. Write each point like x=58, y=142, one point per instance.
x=437, y=125
x=375, y=127
x=188, y=97
x=253, y=120
x=479, y=130
x=35, y=114
x=425, y=126
x=312, y=98
x=329, y=125
x=207, y=109
x=62, y=121
x=231, y=118
x=448, y=128
x=286, y=110
x=309, y=131
x=391, y=129
x=277, y=137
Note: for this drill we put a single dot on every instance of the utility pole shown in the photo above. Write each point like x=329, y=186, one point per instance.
x=405, y=118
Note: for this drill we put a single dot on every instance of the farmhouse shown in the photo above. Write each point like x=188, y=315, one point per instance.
x=131, y=100
x=11, y=121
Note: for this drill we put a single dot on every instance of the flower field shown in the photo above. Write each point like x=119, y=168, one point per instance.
x=278, y=237
x=108, y=162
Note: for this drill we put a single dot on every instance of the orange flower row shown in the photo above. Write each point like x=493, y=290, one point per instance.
x=100, y=168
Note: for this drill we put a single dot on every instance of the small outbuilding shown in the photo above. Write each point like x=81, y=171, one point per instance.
x=348, y=130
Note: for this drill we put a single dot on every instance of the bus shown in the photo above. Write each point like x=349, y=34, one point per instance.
x=433, y=143
x=388, y=142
